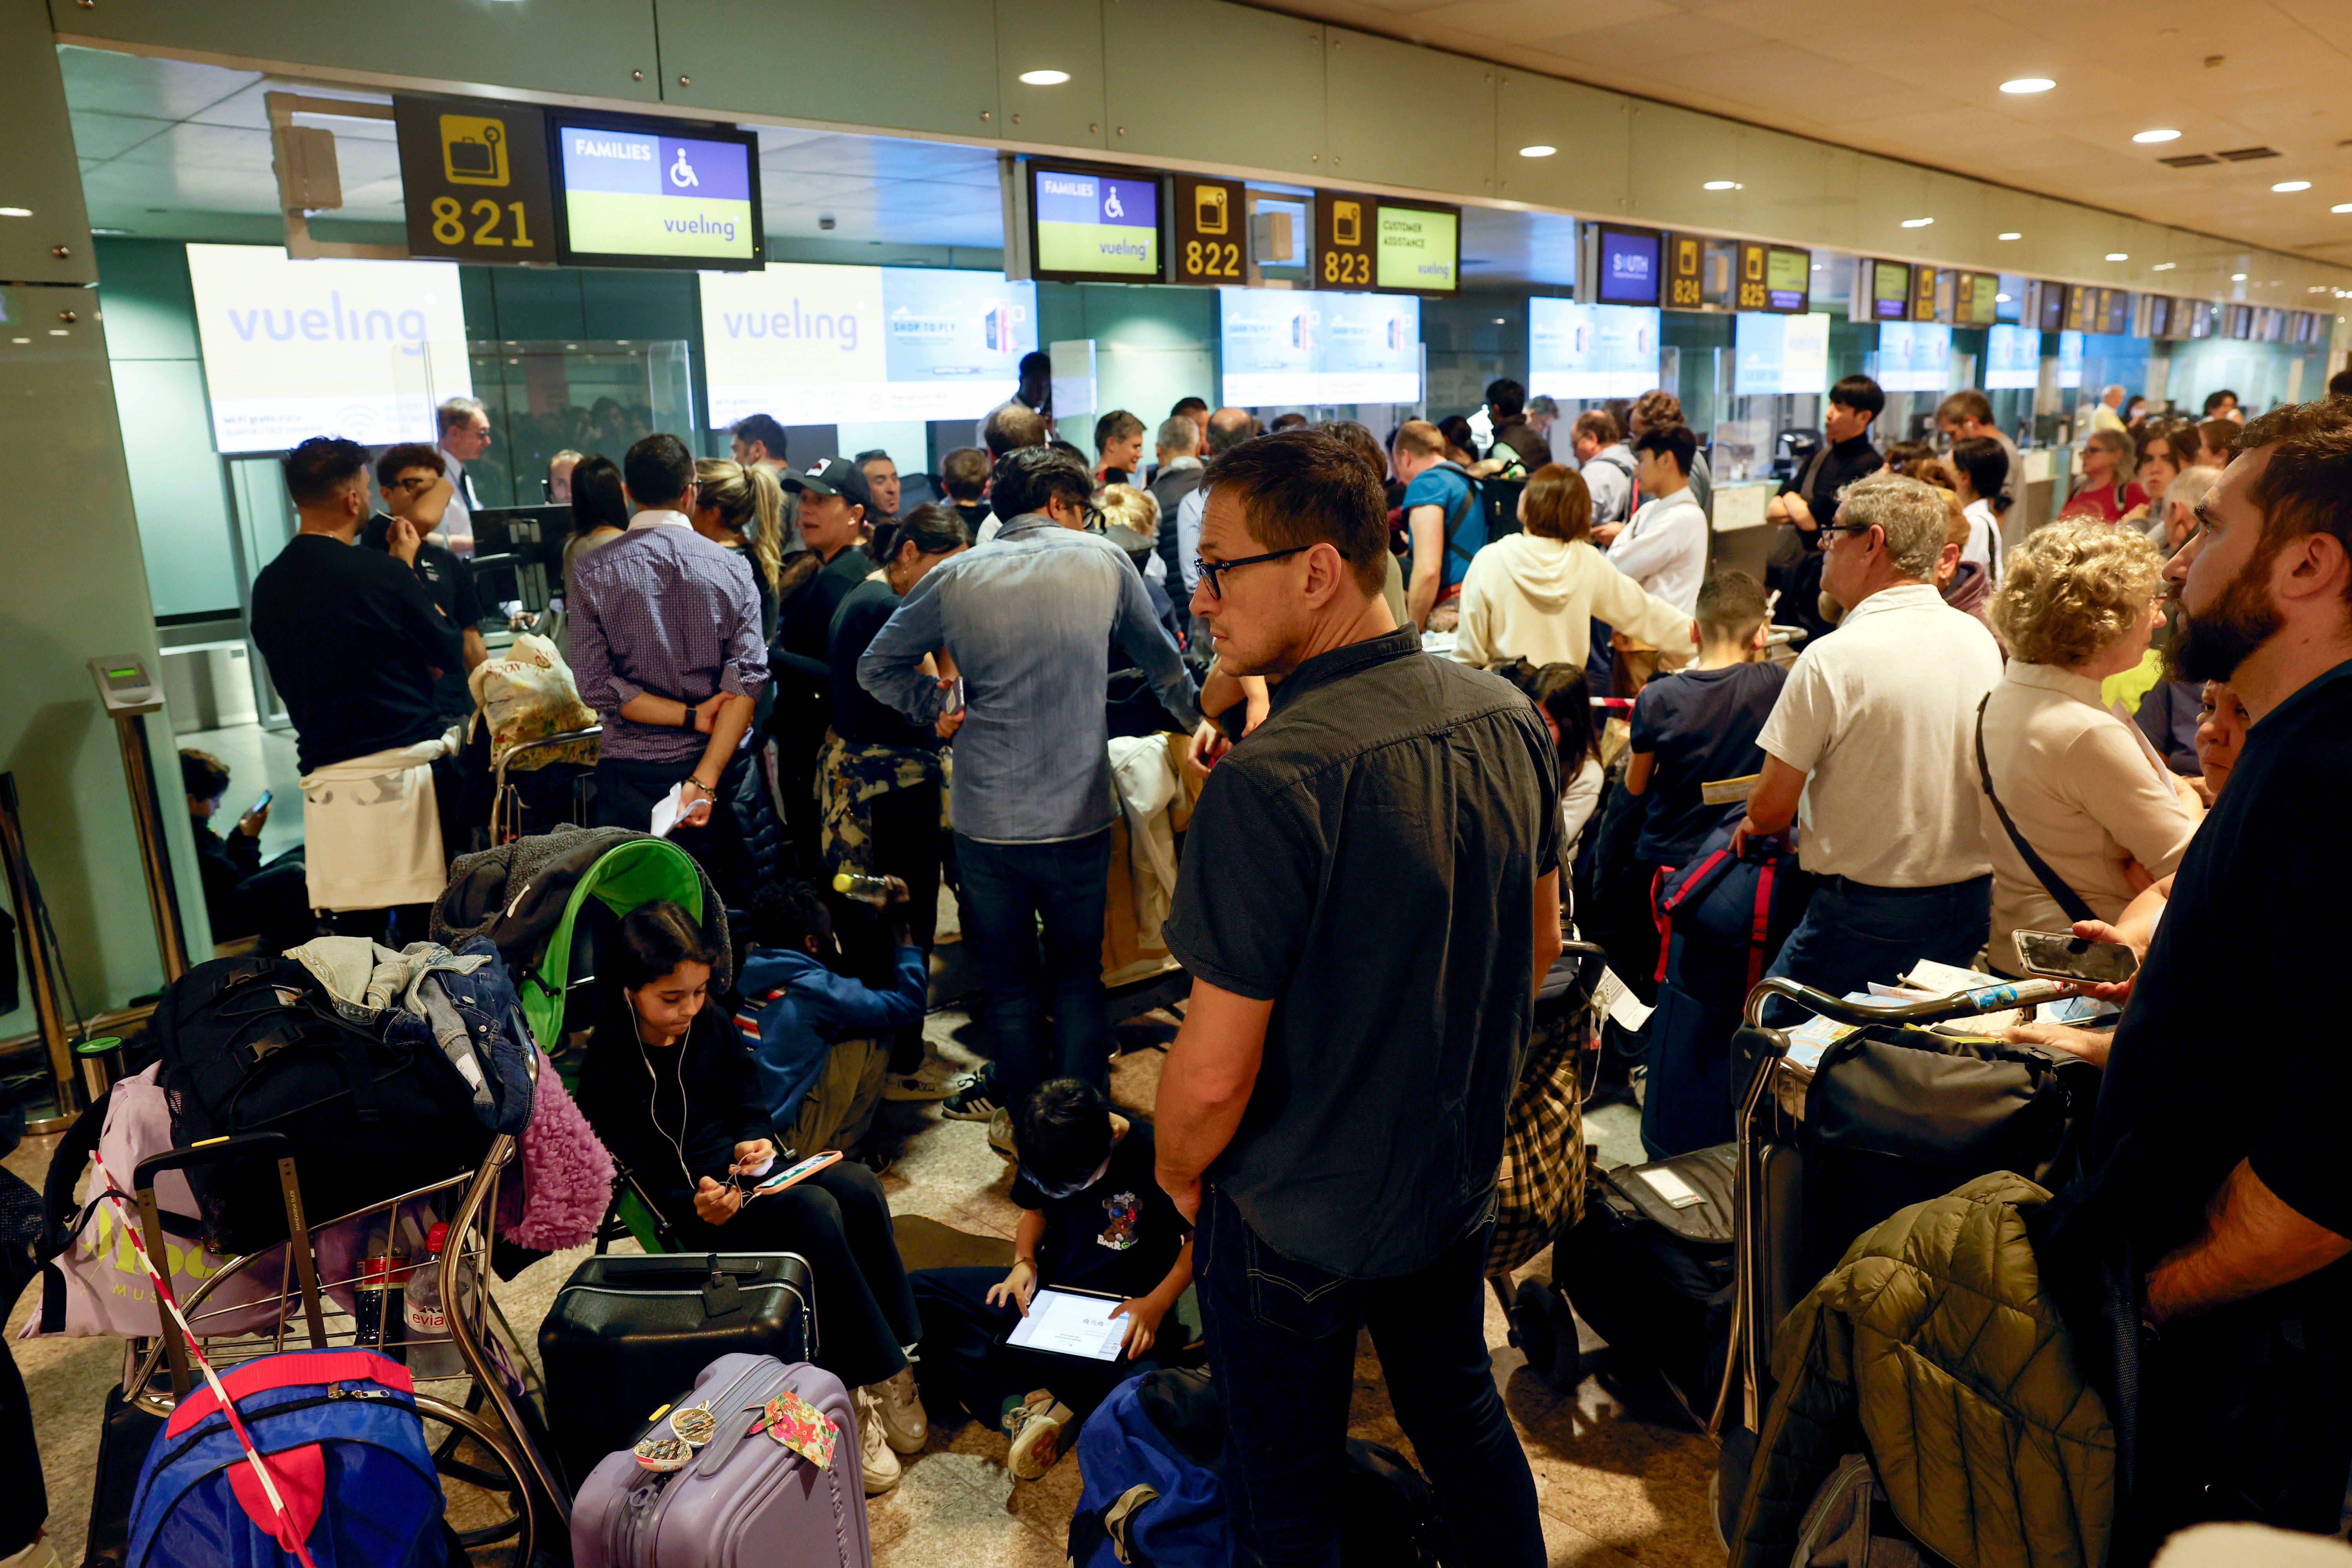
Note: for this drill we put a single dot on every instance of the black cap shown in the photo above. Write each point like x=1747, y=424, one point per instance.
x=834, y=477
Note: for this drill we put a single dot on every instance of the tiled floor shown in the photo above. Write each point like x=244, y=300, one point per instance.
x=1621, y=1475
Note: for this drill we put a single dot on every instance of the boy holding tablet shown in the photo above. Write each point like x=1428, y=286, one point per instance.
x=1099, y=1259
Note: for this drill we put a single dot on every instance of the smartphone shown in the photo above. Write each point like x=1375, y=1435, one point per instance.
x=2062, y=955
x=954, y=701
x=793, y=1174
x=259, y=803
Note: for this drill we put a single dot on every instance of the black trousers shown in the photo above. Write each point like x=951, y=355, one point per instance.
x=626, y=791
x=964, y=1367
x=906, y=845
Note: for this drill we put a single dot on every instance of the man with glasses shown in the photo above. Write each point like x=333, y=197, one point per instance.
x=1029, y=620
x=414, y=486
x=465, y=436
x=1367, y=902
x=1872, y=747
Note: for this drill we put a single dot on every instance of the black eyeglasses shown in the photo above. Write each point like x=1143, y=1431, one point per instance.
x=1210, y=571
x=1847, y=527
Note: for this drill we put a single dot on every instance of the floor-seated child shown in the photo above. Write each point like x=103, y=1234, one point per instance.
x=1095, y=1220
x=823, y=1039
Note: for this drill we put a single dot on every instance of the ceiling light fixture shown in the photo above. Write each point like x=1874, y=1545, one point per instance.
x=2024, y=84
x=1540, y=150
x=2158, y=136
x=2164, y=266
x=2000, y=298
x=1917, y=222
x=2341, y=207
x=2288, y=187
x=2118, y=256
x=2237, y=277
x=2012, y=234
x=16, y=212
x=1721, y=185
x=1044, y=78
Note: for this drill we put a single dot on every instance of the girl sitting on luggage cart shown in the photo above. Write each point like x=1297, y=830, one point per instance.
x=674, y=1092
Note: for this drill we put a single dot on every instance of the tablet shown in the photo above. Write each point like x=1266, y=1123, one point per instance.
x=1071, y=1323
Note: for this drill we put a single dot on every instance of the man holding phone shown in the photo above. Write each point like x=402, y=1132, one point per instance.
x=2216, y=1165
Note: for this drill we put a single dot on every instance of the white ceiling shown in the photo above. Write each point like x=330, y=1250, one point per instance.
x=1925, y=87
x=174, y=148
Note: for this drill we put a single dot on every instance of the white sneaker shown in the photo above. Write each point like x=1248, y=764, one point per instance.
x=1000, y=1136
x=882, y=1468
x=904, y=1421
x=1036, y=1431
x=935, y=1079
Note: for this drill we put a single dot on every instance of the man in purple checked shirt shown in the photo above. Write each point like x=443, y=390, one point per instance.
x=665, y=646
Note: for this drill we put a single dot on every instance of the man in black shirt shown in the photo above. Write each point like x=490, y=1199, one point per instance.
x=414, y=484
x=1809, y=501
x=2217, y=1152
x=1367, y=898
x=354, y=643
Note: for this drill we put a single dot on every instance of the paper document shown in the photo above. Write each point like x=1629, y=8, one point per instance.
x=667, y=810
x=1619, y=1002
x=1723, y=792
x=1943, y=979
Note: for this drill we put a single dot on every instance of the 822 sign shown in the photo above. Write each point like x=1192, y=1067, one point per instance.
x=1212, y=232
x=475, y=178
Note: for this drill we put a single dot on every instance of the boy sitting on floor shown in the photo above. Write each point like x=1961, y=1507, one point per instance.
x=1095, y=1220
x=821, y=1038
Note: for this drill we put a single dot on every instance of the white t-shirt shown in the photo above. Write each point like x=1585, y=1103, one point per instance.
x=1664, y=549
x=1609, y=484
x=1984, y=539
x=1881, y=716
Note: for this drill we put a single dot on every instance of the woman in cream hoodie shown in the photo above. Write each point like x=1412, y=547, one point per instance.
x=1534, y=595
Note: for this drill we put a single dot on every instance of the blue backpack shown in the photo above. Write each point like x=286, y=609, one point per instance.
x=346, y=1451
x=1148, y=1456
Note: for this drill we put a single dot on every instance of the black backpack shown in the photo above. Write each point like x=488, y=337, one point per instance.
x=256, y=1045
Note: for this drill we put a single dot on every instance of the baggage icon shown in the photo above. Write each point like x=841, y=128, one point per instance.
x=1347, y=223
x=1209, y=208
x=473, y=150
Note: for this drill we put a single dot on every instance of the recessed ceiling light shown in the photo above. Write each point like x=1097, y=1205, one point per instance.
x=20, y=340
x=2028, y=84
x=2012, y=234
x=2287, y=187
x=57, y=331
x=1540, y=150
x=2158, y=136
x=2000, y=298
x=16, y=212
x=2341, y=207
x=2164, y=266
x=1721, y=185
x=2237, y=277
x=2118, y=256
x=1044, y=78
x=1917, y=222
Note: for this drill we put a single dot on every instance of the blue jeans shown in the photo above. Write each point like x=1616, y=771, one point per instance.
x=1282, y=1348
x=1008, y=890
x=1853, y=934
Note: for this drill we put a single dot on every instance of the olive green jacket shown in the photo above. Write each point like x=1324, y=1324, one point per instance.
x=1932, y=1348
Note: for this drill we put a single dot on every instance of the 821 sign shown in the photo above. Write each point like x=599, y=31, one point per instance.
x=475, y=178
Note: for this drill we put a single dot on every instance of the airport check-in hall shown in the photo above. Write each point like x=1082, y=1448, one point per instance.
x=1297, y=782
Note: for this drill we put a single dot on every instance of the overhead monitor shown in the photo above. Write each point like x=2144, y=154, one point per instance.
x=1890, y=291
x=1775, y=355
x=635, y=192
x=1590, y=351
x=1093, y=225
x=829, y=345
x=1301, y=348
x=2012, y=358
x=1420, y=248
x=2070, y=358
x=2053, y=307
x=1788, y=280
x=296, y=348
x=1625, y=265
x=1915, y=356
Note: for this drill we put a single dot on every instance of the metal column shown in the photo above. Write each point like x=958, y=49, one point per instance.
x=49, y=1017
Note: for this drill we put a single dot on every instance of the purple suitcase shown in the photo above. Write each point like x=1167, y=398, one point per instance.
x=742, y=1501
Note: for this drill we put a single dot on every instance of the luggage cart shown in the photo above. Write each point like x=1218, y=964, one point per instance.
x=492, y=1406
x=507, y=804
x=1768, y=1193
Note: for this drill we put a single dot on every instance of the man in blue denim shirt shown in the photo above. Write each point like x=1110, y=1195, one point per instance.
x=1028, y=619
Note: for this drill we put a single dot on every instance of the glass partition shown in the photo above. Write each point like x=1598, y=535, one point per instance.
x=590, y=397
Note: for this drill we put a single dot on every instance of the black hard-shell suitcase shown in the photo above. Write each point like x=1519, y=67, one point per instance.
x=123, y=1440
x=626, y=1333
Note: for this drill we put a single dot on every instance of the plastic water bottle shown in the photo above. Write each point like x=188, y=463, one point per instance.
x=431, y=1352
x=866, y=890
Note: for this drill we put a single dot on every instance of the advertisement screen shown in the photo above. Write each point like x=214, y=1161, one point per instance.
x=1420, y=248
x=1788, y=278
x=2012, y=358
x=1890, y=293
x=638, y=194
x=1590, y=351
x=1915, y=356
x=825, y=345
x=1780, y=355
x=2070, y=358
x=1627, y=269
x=1296, y=348
x=1093, y=225
x=296, y=349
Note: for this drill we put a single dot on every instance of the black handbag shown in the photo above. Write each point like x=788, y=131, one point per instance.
x=625, y=1333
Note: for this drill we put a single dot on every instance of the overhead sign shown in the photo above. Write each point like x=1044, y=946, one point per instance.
x=1788, y=280
x=1420, y=248
x=473, y=177
x=1890, y=291
x=296, y=349
x=1093, y=224
x=1685, y=264
x=1923, y=281
x=1212, y=232
x=645, y=194
x=1346, y=231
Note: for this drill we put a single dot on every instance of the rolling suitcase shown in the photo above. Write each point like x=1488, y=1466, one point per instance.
x=739, y=1497
x=626, y=1333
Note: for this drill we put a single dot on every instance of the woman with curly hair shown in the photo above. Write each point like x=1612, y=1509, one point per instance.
x=2078, y=601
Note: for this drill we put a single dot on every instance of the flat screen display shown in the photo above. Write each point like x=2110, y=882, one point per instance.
x=1775, y=356
x=825, y=345
x=1590, y=351
x=1628, y=267
x=1420, y=249
x=2070, y=358
x=1093, y=225
x=296, y=349
x=2012, y=358
x=2053, y=307
x=1915, y=356
x=637, y=196
x=1788, y=279
x=1301, y=348
x=1890, y=291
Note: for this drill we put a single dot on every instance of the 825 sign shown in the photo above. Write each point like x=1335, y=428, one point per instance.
x=476, y=181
